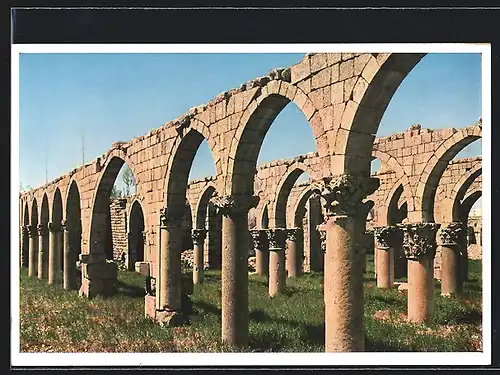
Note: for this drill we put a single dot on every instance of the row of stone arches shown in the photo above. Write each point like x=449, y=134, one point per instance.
x=343, y=97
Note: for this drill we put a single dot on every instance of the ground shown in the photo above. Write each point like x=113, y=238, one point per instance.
x=54, y=320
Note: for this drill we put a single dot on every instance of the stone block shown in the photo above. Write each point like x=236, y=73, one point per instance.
x=150, y=307
x=300, y=71
x=346, y=69
x=142, y=268
x=169, y=318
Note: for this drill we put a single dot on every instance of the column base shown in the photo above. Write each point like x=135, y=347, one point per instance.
x=98, y=278
x=164, y=318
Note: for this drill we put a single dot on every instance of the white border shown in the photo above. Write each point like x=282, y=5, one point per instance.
x=260, y=359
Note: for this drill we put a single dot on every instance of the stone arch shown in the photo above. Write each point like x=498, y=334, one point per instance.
x=25, y=239
x=389, y=213
x=469, y=200
x=200, y=213
x=44, y=210
x=121, y=153
x=253, y=126
x=453, y=202
x=56, y=218
x=300, y=207
x=136, y=227
x=435, y=167
x=264, y=217
x=100, y=236
x=179, y=166
x=72, y=215
x=278, y=208
x=400, y=174
x=372, y=92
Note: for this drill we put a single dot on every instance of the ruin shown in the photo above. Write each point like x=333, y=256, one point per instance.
x=343, y=96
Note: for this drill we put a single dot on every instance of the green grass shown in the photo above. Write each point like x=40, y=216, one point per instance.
x=59, y=321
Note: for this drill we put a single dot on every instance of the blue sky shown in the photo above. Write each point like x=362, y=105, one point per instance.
x=115, y=97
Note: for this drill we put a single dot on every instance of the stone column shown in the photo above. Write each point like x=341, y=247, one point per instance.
x=294, y=261
x=261, y=248
x=54, y=252
x=322, y=241
x=419, y=244
x=198, y=242
x=69, y=282
x=464, y=257
x=235, y=240
x=43, y=242
x=277, y=277
x=388, y=239
x=169, y=292
x=33, y=250
x=451, y=276
x=24, y=236
x=343, y=285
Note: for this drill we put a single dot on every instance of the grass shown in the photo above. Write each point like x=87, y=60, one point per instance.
x=54, y=320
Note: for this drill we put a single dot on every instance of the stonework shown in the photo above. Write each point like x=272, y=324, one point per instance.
x=343, y=97
x=419, y=240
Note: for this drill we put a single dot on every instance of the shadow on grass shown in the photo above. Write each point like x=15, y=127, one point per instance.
x=130, y=290
x=313, y=333
x=207, y=308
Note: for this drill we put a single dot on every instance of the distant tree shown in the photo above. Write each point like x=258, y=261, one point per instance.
x=128, y=179
x=115, y=192
x=24, y=188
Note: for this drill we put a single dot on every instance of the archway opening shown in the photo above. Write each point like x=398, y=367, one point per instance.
x=25, y=238
x=116, y=190
x=135, y=235
x=57, y=215
x=74, y=235
x=188, y=199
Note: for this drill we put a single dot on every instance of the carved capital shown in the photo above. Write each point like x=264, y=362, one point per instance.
x=64, y=225
x=24, y=230
x=198, y=236
x=344, y=194
x=259, y=238
x=54, y=227
x=42, y=229
x=419, y=240
x=387, y=237
x=294, y=234
x=226, y=205
x=32, y=231
x=451, y=234
x=169, y=220
x=322, y=237
x=276, y=238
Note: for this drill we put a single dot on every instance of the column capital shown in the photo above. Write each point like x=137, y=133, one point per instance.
x=419, y=240
x=322, y=237
x=54, y=227
x=24, y=230
x=277, y=238
x=450, y=234
x=144, y=235
x=168, y=219
x=344, y=194
x=228, y=204
x=293, y=234
x=198, y=236
x=31, y=230
x=387, y=236
x=42, y=229
x=258, y=238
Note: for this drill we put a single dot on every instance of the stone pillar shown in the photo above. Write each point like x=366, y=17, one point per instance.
x=419, y=244
x=343, y=285
x=322, y=241
x=387, y=239
x=451, y=276
x=33, y=250
x=277, y=277
x=294, y=261
x=316, y=256
x=54, y=252
x=261, y=248
x=235, y=240
x=464, y=257
x=43, y=242
x=198, y=242
x=169, y=292
x=24, y=241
